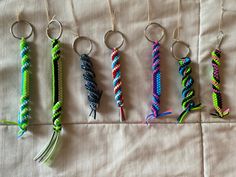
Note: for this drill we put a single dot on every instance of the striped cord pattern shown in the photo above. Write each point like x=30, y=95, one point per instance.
x=117, y=84
x=94, y=95
x=188, y=92
x=156, y=84
x=216, y=92
x=24, y=113
x=47, y=152
x=57, y=85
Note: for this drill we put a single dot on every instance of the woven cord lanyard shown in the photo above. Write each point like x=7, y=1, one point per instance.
x=24, y=111
x=185, y=71
x=115, y=56
x=93, y=93
x=216, y=91
x=215, y=80
x=47, y=152
x=117, y=84
x=156, y=84
x=156, y=72
x=188, y=92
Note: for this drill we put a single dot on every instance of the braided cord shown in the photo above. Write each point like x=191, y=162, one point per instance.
x=49, y=149
x=188, y=92
x=24, y=113
x=57, y=85
x=216, y=92
x=94, y=95
x=117, y=82
x=156, y=83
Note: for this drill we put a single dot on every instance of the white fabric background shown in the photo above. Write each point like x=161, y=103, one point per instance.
x=203, y=146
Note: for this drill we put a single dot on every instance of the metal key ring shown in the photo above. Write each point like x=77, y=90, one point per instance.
x=158, y=26
x=184, y=44
x=77, y=39
x=60, y=27
x=24, y=22
x=109, y=33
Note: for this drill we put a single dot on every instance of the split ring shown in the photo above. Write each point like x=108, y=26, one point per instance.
x=23, y=22
x=60, y=27
x=79, y=38
x=182, y=43
x=157, y=25
x=108, y=34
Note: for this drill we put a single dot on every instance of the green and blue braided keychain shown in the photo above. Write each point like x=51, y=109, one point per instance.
x=188, y=91
x=48, y=151
x=24, y=112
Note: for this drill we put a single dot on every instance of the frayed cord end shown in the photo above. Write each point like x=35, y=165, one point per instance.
x=47, y=152
x=153, y=116
x=183, y=115
x=122, y=114
x=221, y=115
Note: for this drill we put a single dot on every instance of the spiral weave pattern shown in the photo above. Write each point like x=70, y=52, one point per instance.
x=156, y=83
x=49, y=150
x=188, y=92
x=216, y=92
x=56, y=69
x=94, y=95
x=24, y=113
x=117, y=82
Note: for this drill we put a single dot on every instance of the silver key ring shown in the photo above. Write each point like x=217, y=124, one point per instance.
x=23, y=22
x=182, y=43
x=60, y=27
x=158, y=26
x=108, y=34
x=77, y=39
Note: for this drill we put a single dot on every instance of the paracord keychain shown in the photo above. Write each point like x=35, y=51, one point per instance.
x=24, y=112
x=187, y=82
x=116, y=74
x=185, y=70
x=216, y=57
x=49, y=149
x=156, y=74
x=94, y=94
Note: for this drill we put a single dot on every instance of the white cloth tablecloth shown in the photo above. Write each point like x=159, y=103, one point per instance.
x=203, y=146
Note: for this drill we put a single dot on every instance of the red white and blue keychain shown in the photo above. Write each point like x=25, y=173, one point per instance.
x=116, y=73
